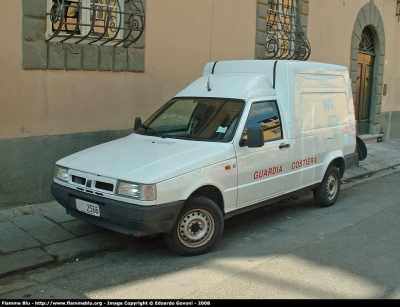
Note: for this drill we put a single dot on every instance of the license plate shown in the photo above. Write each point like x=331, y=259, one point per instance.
x=87, y=207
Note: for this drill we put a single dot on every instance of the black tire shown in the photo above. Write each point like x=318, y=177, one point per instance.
x=197, y=229
x=328, y=192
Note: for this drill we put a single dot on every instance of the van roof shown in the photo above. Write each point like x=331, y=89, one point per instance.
x=267, y=66
x=245, y=79
x=230, y=85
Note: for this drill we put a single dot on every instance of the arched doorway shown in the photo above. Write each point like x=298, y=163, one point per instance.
x=369, y=17
x=366, y=55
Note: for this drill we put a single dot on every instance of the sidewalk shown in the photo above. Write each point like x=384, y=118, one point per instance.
x=41, y=234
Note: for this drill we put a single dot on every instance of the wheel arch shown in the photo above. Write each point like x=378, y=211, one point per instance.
x=337, y=159
x=340, y=163
x=213, y=193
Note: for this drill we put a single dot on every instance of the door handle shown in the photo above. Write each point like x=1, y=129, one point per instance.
x=284, y=146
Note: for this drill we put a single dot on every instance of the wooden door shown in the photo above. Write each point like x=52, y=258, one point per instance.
x=363, y=92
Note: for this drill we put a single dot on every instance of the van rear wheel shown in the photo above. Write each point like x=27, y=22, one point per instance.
x=197, y=229
x=327, y=193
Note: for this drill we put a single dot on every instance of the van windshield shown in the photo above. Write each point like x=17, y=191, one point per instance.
x=207, y=119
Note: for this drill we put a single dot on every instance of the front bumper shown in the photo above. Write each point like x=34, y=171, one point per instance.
x=119, y=216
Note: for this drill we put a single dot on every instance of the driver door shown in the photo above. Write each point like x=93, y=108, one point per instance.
x=262, y=172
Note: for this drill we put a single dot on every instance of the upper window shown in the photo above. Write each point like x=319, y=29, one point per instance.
x=104, y=22
x=285, y=37
x=266, y=115
x=367, y=41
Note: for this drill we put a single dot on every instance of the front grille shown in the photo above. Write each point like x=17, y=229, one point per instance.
x=89, y=183
x=104, y=186
x=79, y=180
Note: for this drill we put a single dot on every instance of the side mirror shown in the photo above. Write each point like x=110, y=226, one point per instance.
x=255, y=137
x=138, y=123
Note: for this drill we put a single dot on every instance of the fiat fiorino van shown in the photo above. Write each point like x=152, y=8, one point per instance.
x=246, y=134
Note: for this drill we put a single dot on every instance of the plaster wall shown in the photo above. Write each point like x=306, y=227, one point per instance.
x=333, y=42
x=330, y=26
x=179, y=41
x=48, y=114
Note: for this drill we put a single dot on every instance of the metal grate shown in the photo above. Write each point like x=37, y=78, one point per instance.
x=285, y=37
x=367, y=42
x=103, y=22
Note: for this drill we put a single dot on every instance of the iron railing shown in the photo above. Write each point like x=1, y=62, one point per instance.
x=103, y=22
x=285, y=36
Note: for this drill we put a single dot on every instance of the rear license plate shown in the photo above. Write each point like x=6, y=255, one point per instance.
x=87, y=207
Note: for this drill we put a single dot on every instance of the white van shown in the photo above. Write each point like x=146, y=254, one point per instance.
x=245, y=134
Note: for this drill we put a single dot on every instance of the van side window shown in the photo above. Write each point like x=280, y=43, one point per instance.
x=266, y=115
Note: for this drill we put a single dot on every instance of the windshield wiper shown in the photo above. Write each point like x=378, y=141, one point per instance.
x=154, y=130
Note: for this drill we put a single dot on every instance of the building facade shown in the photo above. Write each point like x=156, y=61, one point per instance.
x=76, y=73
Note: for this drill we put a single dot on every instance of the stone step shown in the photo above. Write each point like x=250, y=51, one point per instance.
x=371, y=138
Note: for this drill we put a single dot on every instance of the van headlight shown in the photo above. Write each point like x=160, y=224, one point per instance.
x=136, y=190
x=61, y=173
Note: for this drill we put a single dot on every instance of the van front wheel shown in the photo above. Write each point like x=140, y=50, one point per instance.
x=327, y=193
x=197, y=228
